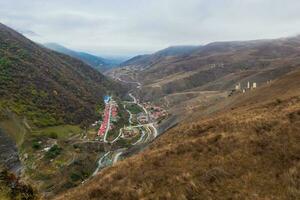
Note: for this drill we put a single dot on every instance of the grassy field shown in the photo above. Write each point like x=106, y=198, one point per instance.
x=133, y=108
x=113, y=134
x=60, y=132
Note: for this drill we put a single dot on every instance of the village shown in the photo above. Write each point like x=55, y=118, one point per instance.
x=110, y=115
x=138, y=127
x=143, y=117
x=154, y=114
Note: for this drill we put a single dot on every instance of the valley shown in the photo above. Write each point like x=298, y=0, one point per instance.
x=66, y=122
x=249, y=137
x=140, y=130
x=201, y=76
x=214, y=121
x=43, y=143
x=58, y=158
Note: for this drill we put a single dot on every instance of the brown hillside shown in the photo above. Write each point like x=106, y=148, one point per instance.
x=216, y=67
x=250, y=149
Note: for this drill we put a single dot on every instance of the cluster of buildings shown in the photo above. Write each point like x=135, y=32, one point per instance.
x=114, y=111
x=250, y=86
x=106, y=121
x=155, y=113
x=110, y=114
x=143, y=118
x=129, y=132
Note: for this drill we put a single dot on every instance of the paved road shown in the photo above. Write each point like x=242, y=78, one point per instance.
x=130, y=82
x=120, y=133
x=147, y=113
x=136, y=102
x=101, y=163
x=140, y=140
x=130, y=115
x=154, y=129
x=117, y=155
x=140, y=105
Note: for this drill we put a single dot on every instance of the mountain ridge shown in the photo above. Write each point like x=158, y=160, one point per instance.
x=147, y=59
x=99, y=63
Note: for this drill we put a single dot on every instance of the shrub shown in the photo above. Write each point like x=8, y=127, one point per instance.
x=278, y=101
x=14, y=189
x=36, y=145
x=5, y=62
x=68, y=185
x=53, y=152
x=75, y=177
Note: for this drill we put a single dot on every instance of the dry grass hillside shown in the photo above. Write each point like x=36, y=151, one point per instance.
x=248, y=148
x=215, y=67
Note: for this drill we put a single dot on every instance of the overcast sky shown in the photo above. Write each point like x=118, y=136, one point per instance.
x=129, y=27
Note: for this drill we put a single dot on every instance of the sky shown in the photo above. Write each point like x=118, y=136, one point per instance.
x=132, y=27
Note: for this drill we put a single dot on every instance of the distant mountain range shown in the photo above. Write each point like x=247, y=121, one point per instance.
x=99, y=63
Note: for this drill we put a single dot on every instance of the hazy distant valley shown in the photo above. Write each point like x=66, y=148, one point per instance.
x=99, y=63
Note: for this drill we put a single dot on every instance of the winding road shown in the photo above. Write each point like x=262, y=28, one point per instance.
x=117, y=155
x=152, y=131
x=130, y=115
x=100, y=163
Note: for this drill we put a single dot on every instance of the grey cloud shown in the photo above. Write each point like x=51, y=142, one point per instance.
x=140, y=26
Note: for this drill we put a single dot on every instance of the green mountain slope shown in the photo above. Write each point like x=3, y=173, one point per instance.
x=48, y=88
